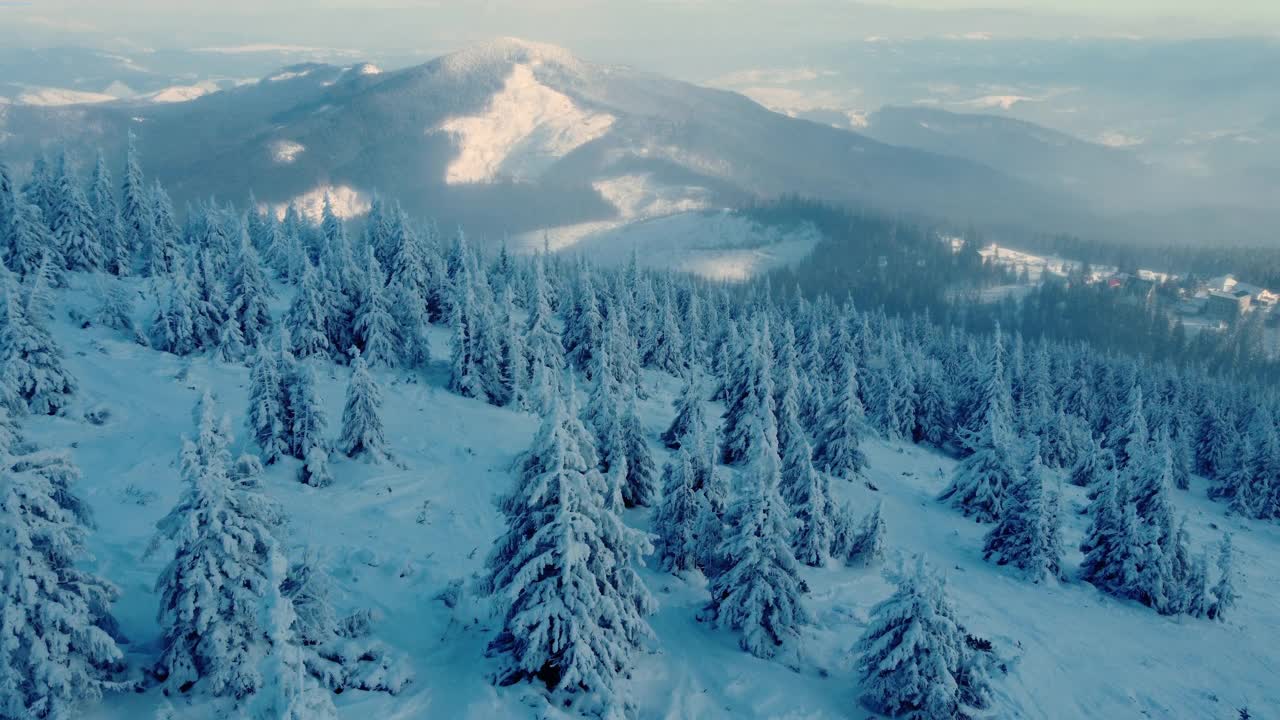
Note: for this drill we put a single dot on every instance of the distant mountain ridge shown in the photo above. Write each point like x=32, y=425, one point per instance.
x=512, y=136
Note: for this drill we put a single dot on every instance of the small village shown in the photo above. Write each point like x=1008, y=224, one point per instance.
x=1209, y=304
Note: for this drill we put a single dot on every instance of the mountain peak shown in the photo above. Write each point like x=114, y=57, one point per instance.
x=509, y=51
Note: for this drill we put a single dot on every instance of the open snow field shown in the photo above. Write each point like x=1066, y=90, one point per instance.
x=394, y=536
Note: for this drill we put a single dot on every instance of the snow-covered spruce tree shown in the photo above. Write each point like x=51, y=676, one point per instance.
x=838, y=450
x=689, y=412
x=563, y=574
x=808, y=492
x=375, y=330
x=75, y=229
x=8, y=206
x=56, y=647
x=1131, y=435
x=1244, y=484
x=306, y=421
x=158, y=243
x=914, y=658
x=982, y=479
x=544, y=350
x=513, y=367
x=675, y=523
x=665, y=350
x=1113, y=542
x=473, y=356
x=1224, y=590
x=866, y=546
x=1028, y=533
x=28, y=241
x=249, y=290
x=934, y=411
x=1213, y=441
x=115, y=310
x=32, y=378
x=106, y=214
x=1094, y=462
x=362, y=434
x=230, y=345
x=759, y=591
x=288, y=692
x=266, y=415
x=173, y=325
x=411, y=286
x=305, y=318
x=339, y=652
x=583, y=324
x=750, y=393
x=137, y=212
x=211, y=592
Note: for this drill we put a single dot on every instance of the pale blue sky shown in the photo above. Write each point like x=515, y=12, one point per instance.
x=631, y=29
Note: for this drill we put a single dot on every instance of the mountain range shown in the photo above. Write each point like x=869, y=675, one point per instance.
x=512, y=136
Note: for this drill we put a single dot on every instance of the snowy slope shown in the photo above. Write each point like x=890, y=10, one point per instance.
x=525, y=128
x=394, y=536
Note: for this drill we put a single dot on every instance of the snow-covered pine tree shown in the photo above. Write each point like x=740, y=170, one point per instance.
x=1131, y=435
x=750, y=394
x=1224, y=590
x=563, y=573
x=411, y=286
x=934, y=411
x=861, y=545
x=689, y=412
x=249, y=290
x=29, y=240
x=983, y=477
x=675, y=522
x=211, y=592
x=1028, y=533
x=758, y=593
x=116, y=309
x=583, y=324
x=209, y=297
x=265, y=417
x=230, y=346
x=375, y=330
x=32, y=378
x=288, y=692
x=160, y=252
x=1093, y=463
x=512, y=363
x=307, y=422
x=1213, y=443
x=913, y=657
x=543, y=347
x=1113, y=545
x=56, y=647
x=665, y=350
x=1244, y=484
x=808, y=492
x=339, y=652
x=362, y=433
x=110, y=231
x=137, y=212
x=75, y=229
x=305, y=318
x=838, y=448
x=173, y=325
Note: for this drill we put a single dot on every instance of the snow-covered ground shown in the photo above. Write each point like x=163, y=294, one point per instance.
x=718, y=245
x=395, y=536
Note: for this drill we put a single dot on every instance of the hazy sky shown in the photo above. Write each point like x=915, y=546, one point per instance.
x=624, y=30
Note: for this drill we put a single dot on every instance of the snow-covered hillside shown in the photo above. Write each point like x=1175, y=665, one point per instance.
x=396, y=536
